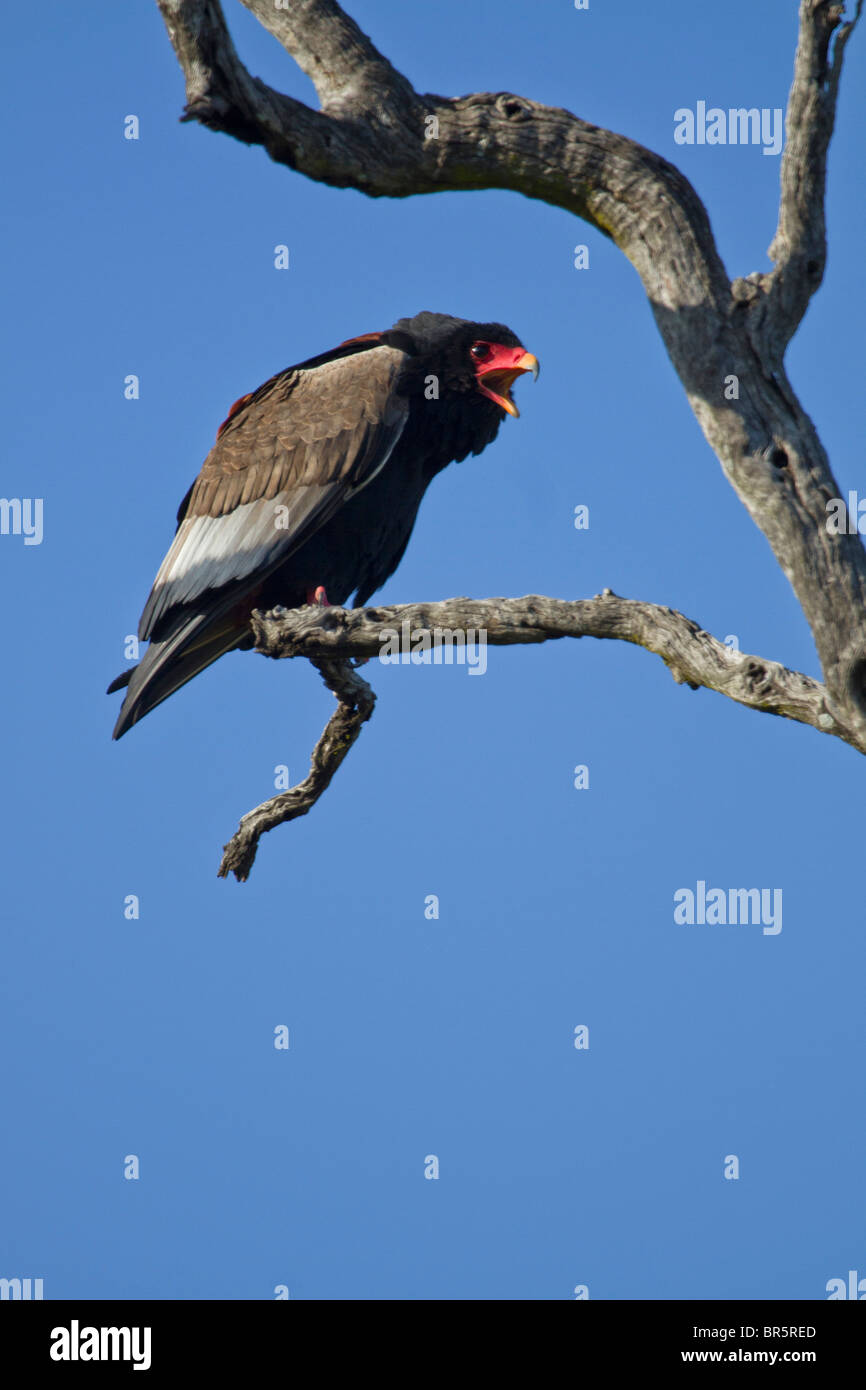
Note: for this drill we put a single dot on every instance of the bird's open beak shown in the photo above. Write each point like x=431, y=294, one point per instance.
x=500, y=371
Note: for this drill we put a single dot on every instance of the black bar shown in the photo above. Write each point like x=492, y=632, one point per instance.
x=222, y=1338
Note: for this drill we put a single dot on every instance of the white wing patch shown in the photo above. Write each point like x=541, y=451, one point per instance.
x=210, y=551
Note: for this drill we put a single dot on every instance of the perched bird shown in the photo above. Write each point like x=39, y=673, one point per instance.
x=311, y=490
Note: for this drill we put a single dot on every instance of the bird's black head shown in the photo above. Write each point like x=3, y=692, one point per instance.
x=459, y=360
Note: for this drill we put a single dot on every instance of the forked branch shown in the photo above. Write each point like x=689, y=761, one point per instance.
x=355, y=701
x=410, y=633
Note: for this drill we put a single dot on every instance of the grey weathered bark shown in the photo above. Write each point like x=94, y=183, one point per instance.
x=355, y=701
x=375, y=133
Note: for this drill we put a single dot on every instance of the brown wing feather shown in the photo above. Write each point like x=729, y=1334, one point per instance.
x=303, y=442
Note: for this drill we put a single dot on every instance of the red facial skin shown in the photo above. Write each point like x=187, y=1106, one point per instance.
x=498, y=368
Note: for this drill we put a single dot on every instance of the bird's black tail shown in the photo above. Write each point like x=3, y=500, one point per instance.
x=192, y=643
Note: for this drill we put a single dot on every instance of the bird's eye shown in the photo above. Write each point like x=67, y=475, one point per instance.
x=479, y=351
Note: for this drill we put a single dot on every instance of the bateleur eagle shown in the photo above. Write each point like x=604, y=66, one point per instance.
x=313, y=486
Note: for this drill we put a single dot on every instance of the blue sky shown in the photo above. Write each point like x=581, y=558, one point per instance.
x=305, y=1168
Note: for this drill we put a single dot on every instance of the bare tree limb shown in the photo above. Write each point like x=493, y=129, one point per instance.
x=347, y=70
x=693, y=656
x=328, y=637
x=355, y=705
x=799, y=247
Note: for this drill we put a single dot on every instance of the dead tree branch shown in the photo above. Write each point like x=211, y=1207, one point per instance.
x=355, y=701
x=799, y=248
x=693, y=656
x=329, y=636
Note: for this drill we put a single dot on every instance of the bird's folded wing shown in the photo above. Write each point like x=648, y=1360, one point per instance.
x=283, y=463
